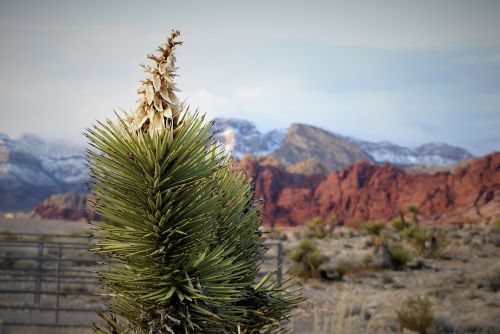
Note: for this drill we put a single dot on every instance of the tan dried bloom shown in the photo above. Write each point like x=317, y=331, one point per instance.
x=158, y=108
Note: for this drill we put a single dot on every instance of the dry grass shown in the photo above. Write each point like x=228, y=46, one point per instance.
x=343, y=319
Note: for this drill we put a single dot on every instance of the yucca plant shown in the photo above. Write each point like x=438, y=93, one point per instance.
x=179, y=226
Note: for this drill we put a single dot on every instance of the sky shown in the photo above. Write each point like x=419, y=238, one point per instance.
x=409, y=72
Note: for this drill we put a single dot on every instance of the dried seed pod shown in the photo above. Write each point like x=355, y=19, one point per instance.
x=167, y=112
x=157, y=103
x=164, y=93
x=172, y=96
x=156, y=122
x=168, y=79
x=156, y=82
x=149, y=93
x=171, y=62
x=162, y=68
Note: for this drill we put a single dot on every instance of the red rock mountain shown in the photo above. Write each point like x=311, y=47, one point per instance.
x=361, y=192
x=368, y=192
x=67, y=206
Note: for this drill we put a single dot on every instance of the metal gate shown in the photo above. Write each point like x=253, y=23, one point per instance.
x=51, y=280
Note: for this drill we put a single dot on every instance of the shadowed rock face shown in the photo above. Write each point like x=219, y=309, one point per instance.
x=367, y=192
x=361, y=192
x=67, y=206
x=305, y=142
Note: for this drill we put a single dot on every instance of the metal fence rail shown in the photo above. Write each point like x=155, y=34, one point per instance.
x=51, y=280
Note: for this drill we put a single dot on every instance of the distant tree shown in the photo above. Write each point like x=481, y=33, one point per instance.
x=414, y=210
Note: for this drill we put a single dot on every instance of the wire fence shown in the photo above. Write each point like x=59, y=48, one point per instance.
x=51, y=280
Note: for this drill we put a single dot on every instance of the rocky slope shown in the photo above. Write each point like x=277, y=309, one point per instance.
x=368, y=192
x=303, y=142
x=362, y=192
x=67, y=206
x=242, y=137
x=32, y=169
x=434, y=154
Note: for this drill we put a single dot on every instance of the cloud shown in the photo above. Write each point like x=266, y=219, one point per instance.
x=408, y=72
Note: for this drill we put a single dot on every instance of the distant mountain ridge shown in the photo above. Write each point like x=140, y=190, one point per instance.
x=426, y=154
x=361, y=192
x=243, y=137
x=305, y=142
x=31, y=169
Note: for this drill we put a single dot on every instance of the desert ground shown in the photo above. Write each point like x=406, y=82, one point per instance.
x=459, y=278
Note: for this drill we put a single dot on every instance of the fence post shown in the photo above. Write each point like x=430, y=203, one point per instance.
x=58, y=284
x=38, y=285
x=279, y=256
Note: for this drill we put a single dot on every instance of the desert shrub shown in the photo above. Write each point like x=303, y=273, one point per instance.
x=334, y=273
x=439, y=242
x=400, y=255
x=331, y=223
x=179, y=229
x=414, y=210
x=497, y=223
x=307, y=259
x=374, y=228
x=341, y=270
x=344, y=319
x=416, y=315
x=275, y=233
x=315, y=258
x=316, y=228
x=418, y=236
x=400, y=224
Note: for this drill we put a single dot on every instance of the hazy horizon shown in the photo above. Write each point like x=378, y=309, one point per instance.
x=406, y=72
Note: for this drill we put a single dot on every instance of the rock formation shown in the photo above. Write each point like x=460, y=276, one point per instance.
x=361, y=192
x=369, y=192
x=67, y=206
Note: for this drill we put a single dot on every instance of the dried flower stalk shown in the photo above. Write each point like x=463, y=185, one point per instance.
x=158, y=108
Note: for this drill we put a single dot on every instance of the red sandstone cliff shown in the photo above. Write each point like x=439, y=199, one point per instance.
x=362, y=192
x=367, y=192
x=67, y=206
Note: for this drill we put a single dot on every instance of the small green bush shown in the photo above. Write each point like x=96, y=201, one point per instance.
x=316, y=229
x=400, y=255
x=418, y=236
x=374, y=228
x=315, y=258
x=400, y=224
x=497, y=223
x=414, y=210
x=307, y=259
x=341, y=270
x=416, y=315
x=306, y=245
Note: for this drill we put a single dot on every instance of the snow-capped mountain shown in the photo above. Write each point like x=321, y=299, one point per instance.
x=428, y=154
x=52, y=162
x=242, y=137
x=31, y=169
